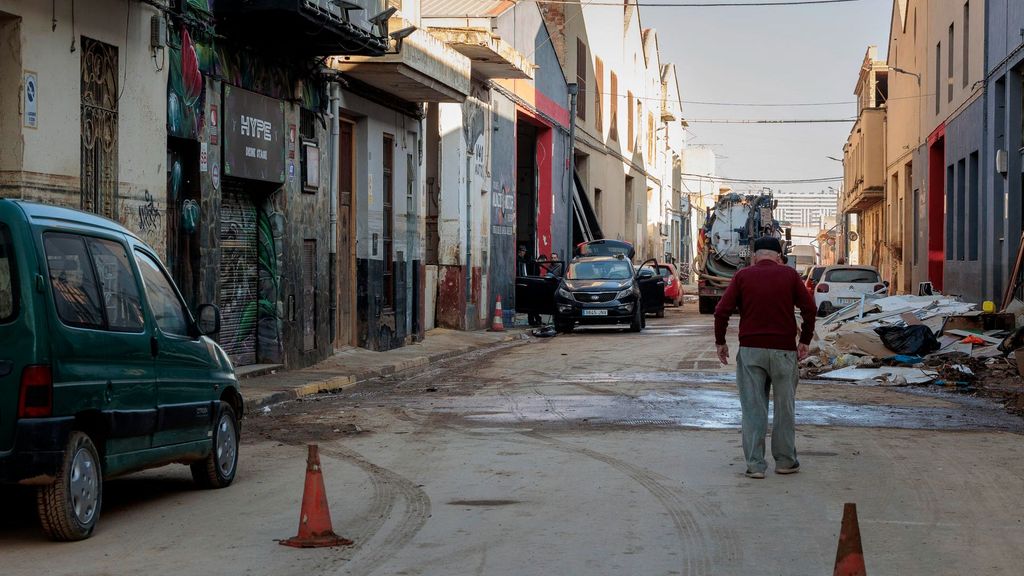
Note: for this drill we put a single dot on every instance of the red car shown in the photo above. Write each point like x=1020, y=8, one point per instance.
x=812, y=276
x=673, y=286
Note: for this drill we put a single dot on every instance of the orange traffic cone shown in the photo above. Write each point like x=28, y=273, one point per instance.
x=315, y=529
x=849, y=555
x=497, y=325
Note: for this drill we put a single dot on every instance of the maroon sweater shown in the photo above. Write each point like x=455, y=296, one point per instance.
x=766, y=294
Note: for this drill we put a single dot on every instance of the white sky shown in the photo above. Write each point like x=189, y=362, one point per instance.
x=808, y=53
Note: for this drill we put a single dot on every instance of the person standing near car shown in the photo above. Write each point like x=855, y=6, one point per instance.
x=766, y=292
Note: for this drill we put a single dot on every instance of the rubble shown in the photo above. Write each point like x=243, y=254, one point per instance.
x=931, y=340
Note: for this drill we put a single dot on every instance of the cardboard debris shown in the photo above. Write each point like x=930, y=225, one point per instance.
x=863, y=341
x=890, y=373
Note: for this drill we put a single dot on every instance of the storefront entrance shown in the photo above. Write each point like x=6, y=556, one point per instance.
x=239, y=273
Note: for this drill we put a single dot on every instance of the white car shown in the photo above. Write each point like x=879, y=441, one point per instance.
x=841, y=286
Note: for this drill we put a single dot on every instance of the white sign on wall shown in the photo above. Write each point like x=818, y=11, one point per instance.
x=31, y=97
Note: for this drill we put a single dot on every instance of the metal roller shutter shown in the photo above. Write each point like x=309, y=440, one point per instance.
x=239, y=276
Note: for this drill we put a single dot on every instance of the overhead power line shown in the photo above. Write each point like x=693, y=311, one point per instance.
x=763, y=180
x=699, y=5
x=788, y=121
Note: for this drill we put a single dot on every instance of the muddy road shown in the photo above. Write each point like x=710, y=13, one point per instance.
x=600, y=452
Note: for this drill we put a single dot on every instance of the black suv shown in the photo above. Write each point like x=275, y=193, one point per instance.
x=603, y=289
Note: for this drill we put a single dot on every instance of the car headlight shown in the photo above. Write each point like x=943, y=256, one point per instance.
x=624, y=293
x=565, y=294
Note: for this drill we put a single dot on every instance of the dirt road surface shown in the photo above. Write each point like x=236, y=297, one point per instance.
x=596, y=453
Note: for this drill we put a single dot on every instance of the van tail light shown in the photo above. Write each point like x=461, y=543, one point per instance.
x=821, y=288
x=878, y=287
x=36, y=395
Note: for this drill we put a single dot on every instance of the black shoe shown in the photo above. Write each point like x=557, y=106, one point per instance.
x=790, y=470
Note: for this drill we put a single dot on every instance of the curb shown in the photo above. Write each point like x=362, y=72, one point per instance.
x=337, y=383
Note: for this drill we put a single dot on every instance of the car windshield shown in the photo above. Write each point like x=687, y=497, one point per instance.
x=600, y=270
x=852, y=276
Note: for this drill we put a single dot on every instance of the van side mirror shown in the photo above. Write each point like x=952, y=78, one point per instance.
x=208, y=321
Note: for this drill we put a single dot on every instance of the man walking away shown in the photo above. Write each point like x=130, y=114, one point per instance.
x=766, y=292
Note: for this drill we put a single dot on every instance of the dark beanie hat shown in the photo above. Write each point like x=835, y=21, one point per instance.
x=768, y=243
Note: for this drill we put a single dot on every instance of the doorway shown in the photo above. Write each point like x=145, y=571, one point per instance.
x=345, y=292
x=526, y=188
x=936, y=207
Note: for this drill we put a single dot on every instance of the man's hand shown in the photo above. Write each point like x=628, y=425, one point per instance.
x=723, y=353
x=801, y=351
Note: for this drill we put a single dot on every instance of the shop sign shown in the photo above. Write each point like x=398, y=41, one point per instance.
x=254, y=145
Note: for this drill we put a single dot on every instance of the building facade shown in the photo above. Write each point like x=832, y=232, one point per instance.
x=1001, y=207
x=863, y=191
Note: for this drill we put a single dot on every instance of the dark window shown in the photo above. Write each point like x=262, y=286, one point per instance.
x=118, y=286
x=389, y=220
x=917, y=225
x=949, y=66
x=852, y=276
x=938, y=75
x=75, y=293
x=947, y=209
x=974, y=205
x=816, y=273
x=8, y=277
x=167, y=308
x=581, y=79
x=307, y=124
x=961, y=209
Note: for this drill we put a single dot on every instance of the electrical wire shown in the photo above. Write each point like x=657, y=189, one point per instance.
x=698, y=5
x=761, y=180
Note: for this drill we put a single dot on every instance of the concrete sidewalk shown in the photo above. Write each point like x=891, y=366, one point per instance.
x=351, y=365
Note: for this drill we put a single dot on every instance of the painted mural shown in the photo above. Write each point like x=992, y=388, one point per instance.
x=270, y=252
x=185, y=93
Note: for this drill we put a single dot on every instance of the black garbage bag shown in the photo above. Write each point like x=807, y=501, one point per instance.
x=917, y=340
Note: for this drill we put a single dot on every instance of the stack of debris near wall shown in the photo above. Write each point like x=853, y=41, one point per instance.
x=923, y=341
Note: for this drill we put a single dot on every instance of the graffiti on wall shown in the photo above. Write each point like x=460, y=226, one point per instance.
x=270, y=252
x=148, y=214
x=185, y=92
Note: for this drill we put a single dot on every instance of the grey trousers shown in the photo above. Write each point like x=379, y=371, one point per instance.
x=758, y=370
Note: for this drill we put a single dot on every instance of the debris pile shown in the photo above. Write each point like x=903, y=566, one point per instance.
x=923, y=341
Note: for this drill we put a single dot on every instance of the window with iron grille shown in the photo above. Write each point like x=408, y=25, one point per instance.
x=389, y=219
x=307, y=124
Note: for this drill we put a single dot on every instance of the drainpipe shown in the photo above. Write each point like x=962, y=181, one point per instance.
x=573, y=91
x=332, y=243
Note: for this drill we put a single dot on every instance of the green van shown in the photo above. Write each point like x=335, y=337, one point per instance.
x=103, y=369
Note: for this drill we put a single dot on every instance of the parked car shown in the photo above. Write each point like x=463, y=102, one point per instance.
x=595, y=290
x=841, y=286
x=812, y=276
x=605, y=248
x=673, y=284
x=103, y=368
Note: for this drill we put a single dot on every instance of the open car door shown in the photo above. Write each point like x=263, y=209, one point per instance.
x=652, y=288
x=536, y=294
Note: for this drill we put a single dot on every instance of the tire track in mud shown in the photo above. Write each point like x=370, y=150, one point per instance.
x=388, y=488
x=698, y=558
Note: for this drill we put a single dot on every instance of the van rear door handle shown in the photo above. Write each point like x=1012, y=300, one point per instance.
x=5, y=367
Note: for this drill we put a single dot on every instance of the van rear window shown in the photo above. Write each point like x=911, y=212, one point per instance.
x=8, y=278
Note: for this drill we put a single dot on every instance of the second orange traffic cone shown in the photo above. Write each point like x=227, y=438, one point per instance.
x=315, y=528
x=849, y=554
x=497, y=325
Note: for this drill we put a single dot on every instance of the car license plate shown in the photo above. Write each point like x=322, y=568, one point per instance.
x=595, y=312
x=848, y=301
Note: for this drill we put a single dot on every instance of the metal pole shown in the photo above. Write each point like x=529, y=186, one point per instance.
x=573, y=91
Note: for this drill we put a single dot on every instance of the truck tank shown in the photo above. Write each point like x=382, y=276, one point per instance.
x=726, y=242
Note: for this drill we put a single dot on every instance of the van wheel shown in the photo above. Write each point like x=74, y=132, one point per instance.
x=69, y=508
x=218, y=469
